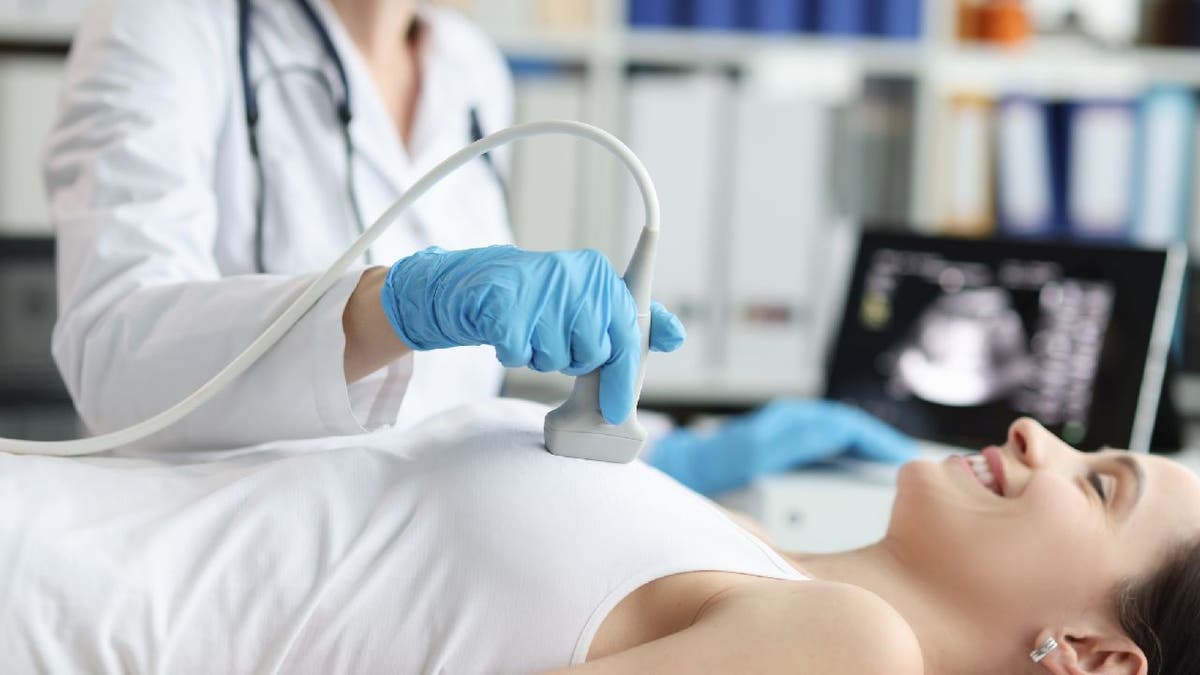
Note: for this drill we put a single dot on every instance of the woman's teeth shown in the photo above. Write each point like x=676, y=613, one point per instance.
x=980, y=466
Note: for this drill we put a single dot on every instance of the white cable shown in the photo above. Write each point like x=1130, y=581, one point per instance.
x=320, y=286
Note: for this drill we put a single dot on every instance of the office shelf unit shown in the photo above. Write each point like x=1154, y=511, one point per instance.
x=936, y=63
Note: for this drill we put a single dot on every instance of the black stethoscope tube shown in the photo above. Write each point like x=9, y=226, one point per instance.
x=250, y=103
x=344, y=115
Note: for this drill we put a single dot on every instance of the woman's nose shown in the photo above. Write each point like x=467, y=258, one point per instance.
x=1028, y=441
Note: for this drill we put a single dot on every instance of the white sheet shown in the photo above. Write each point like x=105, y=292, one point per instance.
x=210, y=564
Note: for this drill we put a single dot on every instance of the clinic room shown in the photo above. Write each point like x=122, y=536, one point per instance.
x=599, y=337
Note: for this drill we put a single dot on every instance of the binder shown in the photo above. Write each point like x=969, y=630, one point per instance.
x=780, y=16
x=546, y=176
x=1102, y=142
x=967, y=168
x=842, y=17
x=655, y=13
x=897, y=18
x=1029, y=178
x=714, y=14
x=678, y=125
x=1166, y=152
x=781, y=214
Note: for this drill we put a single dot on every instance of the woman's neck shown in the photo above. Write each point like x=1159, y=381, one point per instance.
x=950, y=636
x=377, y=25
x=387, y=34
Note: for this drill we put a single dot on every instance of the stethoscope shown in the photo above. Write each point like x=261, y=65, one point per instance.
x=342, y=108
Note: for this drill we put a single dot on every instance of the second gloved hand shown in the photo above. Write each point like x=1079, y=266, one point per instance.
x=780, y=436
x=563, y=311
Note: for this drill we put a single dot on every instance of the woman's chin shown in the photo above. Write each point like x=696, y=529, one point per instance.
x=927, y=495
x=918, y=474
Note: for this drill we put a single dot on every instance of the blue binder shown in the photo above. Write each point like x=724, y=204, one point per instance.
x=654, y=13
x=715, y=14
x=897, y=18
x=842, y=17
x=1059, y=147
x=781, y=16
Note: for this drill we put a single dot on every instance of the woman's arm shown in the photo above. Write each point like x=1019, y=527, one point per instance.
x=146, y=315
x=779, y=627
x=371, y=343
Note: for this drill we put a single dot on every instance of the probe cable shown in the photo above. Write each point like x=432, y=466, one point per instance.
x=290, y=316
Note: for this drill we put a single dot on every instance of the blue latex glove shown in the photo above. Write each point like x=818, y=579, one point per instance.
x=563, y=311
x=780, y=436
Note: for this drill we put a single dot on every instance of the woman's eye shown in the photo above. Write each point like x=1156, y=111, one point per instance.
x=1098, y=484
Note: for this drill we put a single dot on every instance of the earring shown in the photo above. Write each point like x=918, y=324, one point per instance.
x=1044, y=650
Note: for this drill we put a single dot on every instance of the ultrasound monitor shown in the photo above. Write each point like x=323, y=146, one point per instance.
x=950, y=340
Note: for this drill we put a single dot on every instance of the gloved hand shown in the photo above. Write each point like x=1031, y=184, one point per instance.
x=780, y=436
x=563, y=311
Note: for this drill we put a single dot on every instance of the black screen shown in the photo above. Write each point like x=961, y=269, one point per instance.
x=951, y=340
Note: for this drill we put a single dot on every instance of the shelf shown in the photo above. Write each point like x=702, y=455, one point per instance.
x=682, y=47
x=569, y=47
x=1060, y=66
x=688, y=48
x=1063, y=68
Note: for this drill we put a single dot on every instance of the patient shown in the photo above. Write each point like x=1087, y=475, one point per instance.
x=466, y=548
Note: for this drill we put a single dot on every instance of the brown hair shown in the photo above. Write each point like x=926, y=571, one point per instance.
x=1161, y=613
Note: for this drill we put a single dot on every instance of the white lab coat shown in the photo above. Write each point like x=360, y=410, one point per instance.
x=152, y=192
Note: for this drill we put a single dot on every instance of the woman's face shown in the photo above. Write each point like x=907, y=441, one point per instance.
x=1050, y=536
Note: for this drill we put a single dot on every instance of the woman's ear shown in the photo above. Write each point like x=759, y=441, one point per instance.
x=1092, y=652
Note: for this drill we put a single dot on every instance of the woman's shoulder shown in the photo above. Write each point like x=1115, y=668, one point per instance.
x=853, y=630
x=772, y=626
x=828, y=627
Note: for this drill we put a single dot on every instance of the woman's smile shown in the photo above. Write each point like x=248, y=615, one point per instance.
x=980, y=469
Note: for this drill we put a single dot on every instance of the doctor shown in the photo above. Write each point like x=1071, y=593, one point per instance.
x=212, y=156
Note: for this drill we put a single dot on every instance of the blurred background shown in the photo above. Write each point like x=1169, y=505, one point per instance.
x=1067, y=119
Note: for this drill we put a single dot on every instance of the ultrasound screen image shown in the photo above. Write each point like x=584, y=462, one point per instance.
x=951, y=340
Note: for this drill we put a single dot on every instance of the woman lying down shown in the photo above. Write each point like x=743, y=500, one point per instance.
x=466, y=548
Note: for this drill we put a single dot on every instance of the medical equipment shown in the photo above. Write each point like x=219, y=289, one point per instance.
x=575, y=429
x=342, y=108
x=951, y=339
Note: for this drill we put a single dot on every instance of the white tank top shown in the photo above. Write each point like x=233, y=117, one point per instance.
x=463, y=547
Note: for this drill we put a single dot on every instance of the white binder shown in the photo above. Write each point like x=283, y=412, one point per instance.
x=967, y=169
x=1102, y=142
x=676, y=124
x=781, y=215
x=1024, y=170
x=544, y=191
